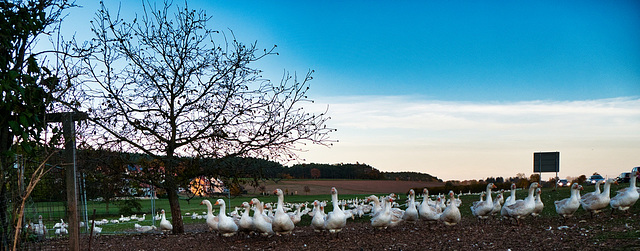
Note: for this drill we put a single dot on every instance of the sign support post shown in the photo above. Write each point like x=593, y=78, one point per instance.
x=546, y=162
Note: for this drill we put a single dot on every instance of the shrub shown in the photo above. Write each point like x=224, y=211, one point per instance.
x=129, y=207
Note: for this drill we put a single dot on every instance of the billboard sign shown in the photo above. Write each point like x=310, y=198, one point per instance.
x=546, y=162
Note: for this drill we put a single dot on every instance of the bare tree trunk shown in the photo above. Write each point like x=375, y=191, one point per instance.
x=176, y=214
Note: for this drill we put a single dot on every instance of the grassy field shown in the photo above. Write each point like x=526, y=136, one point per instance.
x=548, y=197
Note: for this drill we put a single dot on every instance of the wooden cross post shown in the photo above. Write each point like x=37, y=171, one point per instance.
x=69, y=130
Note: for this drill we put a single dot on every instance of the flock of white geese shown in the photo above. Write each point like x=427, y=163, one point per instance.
x=385, y=212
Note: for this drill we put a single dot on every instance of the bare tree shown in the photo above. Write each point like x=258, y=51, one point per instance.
x=166, y=86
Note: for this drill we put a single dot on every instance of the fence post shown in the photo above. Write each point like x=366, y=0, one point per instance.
x=69, y=132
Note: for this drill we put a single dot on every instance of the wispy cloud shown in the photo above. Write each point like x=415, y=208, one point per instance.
x=484, y=136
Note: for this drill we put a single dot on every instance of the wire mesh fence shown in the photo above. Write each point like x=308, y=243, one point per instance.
x=44, y=224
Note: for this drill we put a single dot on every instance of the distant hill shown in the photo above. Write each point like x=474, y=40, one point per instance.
x=352, y=171
x=410, y=176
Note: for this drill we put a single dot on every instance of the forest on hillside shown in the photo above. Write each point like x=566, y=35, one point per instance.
x=274, y=170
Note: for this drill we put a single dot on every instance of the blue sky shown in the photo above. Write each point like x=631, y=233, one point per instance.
x=500, y=50
x=457, y=89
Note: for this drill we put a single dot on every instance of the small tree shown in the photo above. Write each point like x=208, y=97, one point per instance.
x=534, y=178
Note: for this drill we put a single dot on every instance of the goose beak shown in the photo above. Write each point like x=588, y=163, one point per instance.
x=217, y=203
x=494, y=186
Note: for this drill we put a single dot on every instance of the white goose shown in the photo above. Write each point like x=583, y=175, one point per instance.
x=426, y=198
x=61, y=228
x=497, y=204
x=524, y=207
x=317, y=222
x=451, y=215
x=282, y=223
x=296, y=216
x=539, y=205
x=396, y=213
x=411, y=213
x=261, y=222
x=440, y=204
x=458, y=201
x=509, y=201
x=336, y=219
x=627, y=197
x=482, y=209
x=426, y=210
x=60, y=224
x=97, y=230
x=382, y=219
x=596, y=192
x=62, y=231
x=376, y=207
x=165, y=225
x=566, y=207
x=143, y=229
x=226, y=226
x=246, y=222
x=595, y=204
x=212, y=221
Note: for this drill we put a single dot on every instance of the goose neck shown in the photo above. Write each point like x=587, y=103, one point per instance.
x=532, y=190
x=280, y=202
x=489, y=199
x=209, y=207
x=222, y=208
x=607, y=187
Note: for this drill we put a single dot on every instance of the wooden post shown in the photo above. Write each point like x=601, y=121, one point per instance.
x=69, y=132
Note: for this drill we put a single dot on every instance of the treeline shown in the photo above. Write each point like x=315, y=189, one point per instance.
x=274, y=170
x=108, y=175
x=410, y=176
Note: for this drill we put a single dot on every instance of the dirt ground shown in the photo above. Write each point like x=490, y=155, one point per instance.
x=620, y=232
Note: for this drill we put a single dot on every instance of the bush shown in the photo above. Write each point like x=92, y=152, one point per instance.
x=129, y=207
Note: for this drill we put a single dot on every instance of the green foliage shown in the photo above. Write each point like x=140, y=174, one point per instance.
x=24, y=85
x=129, y=207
